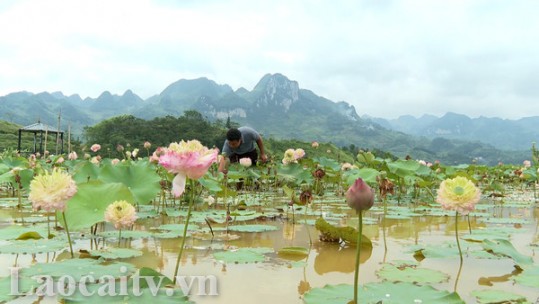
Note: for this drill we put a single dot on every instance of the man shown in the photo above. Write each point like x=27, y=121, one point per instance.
x=240, y=143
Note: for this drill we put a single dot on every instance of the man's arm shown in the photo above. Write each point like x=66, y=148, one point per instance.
x=223, y=164
x=260, y=144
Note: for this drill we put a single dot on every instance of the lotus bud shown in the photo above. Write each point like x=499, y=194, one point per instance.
x=360, y=196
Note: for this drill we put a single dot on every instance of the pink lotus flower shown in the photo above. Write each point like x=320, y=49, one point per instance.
x=60, y=160
x=527, y=163
x=315, y=144
x=121, y=213
x=246, y=162
x=360, y=196
x=156, y=154
x=346, y=166
x=299, y=153
x=292, y=155
x=114, y=161
x=187, y=159
x=95, y=147
x=50, y=192
x=147, y=145
x=72, y=155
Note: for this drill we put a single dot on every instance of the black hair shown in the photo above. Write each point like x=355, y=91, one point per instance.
x=233, y=134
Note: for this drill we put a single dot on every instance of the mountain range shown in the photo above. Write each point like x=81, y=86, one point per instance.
x=503, y=134
x=277, y=107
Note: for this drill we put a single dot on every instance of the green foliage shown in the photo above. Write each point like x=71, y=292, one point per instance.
x=381, y=293
x=409, y=272
x=334, y=234
x=160, y=131
x=88, y=206
x=501, y=247
x=276, y=148
x=140, y=178
x=497, y=296
x=9, y=139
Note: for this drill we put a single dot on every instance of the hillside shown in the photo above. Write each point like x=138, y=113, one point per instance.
x=277, y=107
x=503, y=134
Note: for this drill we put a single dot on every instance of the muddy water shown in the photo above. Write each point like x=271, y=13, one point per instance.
x=281, y=280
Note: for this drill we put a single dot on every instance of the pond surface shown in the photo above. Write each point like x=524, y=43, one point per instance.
x=286, y=278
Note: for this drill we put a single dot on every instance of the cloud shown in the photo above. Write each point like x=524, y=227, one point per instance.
x=387, y=58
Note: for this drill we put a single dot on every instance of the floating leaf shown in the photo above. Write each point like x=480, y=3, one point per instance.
x=294, y=251
x=411, y=274
x=505, y=220
x=134, y=234
x=434, y=251
x=170, y=235
x=178, y=227
x=529, y=277
x=116, y=253
x=381, y=293
x=485, y=234
x=243, y=255
x=497, y=296
x=156, y=276
x=252, y=228
x=78, y=268
x=33, y=246
x=25, y=285
x=162, y=295
x=505, y=248
x=206, y=235
x=15, y=231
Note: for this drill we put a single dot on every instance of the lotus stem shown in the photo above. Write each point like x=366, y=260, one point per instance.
x=457, y=277
x=191, y=203
x=469, y=224
x=307, y=227
x=457, y=233
x=68, y=236
x=384, y=225
x=358, y=253
x=48, y=226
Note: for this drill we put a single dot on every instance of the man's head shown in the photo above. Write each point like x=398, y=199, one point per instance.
x=234, y=138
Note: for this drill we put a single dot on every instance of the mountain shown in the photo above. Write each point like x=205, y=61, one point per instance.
x=180, y=96
x=277, y=107
x=503, y=134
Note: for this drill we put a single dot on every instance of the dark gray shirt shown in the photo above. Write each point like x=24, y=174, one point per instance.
x=248, y=139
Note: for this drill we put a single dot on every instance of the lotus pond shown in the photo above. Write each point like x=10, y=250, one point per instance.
x=268, y=241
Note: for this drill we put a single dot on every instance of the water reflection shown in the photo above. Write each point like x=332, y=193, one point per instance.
x=335, y=258
x=488, y=281
x=284, y=281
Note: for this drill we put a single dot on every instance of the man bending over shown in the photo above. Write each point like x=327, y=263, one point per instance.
x=240, y=143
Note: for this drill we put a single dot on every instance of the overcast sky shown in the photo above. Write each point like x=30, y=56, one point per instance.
x=387, y=58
